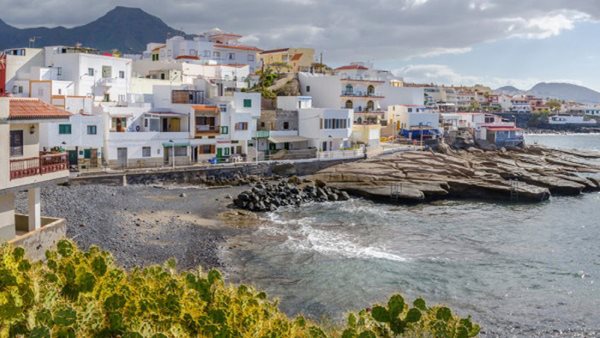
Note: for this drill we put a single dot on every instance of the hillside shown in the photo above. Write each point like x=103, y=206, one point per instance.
x=565, y=91
x=123, y=28
x=509, y=90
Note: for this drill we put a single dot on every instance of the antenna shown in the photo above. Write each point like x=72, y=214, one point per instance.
x=32, y=41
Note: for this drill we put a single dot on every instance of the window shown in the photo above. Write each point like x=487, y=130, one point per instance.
x=349, y=104
x=349, y=89
x=223, y=107
x=206, y=149
x=90, y=72
x=92, y=130
x=206, y=53
x=16, y=143
x=59, y=91
x=286, y=125
x=216, y=55
x=146, y=151
x=155, y=57
x=121, y=74
x=231, y=56
x=250, y=57
x=225, y=130
x=308, y=89
x=241, y=126
x=59, y=71
x=64, y=129
x=106, y=72
x=247, y=103
x=226, y=151
x=193, y=52
x=180, y=151
x=106, y=97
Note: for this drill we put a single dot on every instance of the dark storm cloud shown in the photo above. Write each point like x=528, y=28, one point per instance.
x=343, y=29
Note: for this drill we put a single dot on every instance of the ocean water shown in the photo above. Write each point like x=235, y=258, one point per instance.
x=518, y=269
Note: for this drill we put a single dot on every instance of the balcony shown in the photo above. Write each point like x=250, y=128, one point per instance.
x=33, y=166
x=207, y=130
x=355, y=93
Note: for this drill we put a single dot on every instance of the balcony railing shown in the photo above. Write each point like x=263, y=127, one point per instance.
x=44, y=164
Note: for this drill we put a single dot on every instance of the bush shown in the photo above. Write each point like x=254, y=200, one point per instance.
x=84, y=294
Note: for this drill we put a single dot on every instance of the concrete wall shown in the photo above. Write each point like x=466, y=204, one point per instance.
x=199, y=175
x=36, y=243
x=7, y=217
x=324, y=89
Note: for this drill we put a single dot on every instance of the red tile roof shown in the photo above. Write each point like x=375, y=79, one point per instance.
x=34, y=109
x=296, y=56
x=275, y=51
x=205, y=108
x=241, y=47
x=187, y=57
x=359, y=67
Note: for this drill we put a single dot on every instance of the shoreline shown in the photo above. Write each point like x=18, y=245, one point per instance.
x=145, y=225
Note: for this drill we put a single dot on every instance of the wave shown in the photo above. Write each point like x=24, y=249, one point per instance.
x=307, y=238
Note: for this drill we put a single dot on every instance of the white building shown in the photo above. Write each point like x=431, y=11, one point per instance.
x=212, y=47
x=570, y=119
x=329, y=129
x=24, y=167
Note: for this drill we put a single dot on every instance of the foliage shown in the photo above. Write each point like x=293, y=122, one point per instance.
x=538, y=119
x=84, y=294
x=554, y=105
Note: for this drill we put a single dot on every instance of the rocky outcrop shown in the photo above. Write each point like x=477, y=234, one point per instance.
x=532, y=174
x=268, y=197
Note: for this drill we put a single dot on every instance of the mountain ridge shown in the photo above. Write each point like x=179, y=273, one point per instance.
x=127, y=29
x=556, y=90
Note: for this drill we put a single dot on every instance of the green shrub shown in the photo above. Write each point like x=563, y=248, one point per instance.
x=84, y=294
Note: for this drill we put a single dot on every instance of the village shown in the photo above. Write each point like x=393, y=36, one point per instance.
x=212, y=101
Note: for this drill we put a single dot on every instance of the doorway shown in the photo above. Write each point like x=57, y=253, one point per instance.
x=122, y=157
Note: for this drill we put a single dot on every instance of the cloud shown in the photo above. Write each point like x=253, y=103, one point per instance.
x=343, y=30
x=442, y=74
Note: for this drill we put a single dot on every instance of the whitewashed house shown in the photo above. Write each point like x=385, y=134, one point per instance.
x=23, y=166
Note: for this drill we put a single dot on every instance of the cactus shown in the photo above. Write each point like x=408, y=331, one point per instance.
x=84, y=294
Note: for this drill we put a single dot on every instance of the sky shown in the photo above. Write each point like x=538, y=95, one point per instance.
x=490, y=42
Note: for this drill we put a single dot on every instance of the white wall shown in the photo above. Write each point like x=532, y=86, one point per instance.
x=50, y=137
x=401, y=95
x=294, y=102
x=325, y=90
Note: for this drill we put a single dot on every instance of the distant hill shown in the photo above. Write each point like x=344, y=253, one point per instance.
x=509, y=90
x=561, y=91
x=123, y=28
x=565, y=91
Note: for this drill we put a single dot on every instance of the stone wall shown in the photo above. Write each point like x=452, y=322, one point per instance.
x=217, y=175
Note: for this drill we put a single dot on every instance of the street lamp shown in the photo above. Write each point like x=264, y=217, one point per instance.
x=173, y=152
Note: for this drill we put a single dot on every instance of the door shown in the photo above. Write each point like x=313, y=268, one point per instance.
x=324, y=146
x=122, y=157
x=175, y=125
x=94, y=158
x=219, y=153
x=72, y=157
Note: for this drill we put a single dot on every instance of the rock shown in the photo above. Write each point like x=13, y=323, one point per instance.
x=413, y=177
x=182, y=195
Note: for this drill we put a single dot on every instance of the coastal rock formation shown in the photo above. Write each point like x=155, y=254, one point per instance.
x=526, y=175
x=268, y=197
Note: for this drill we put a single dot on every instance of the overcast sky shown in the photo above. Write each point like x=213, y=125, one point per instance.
x=494, y=42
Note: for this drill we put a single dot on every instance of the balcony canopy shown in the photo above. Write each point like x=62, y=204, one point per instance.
x=287, y=139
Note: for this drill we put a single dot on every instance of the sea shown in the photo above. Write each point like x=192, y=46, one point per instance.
x=520, y=270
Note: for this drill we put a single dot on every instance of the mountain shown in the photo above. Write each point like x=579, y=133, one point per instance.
x=509, y=90
x=123, y=28
x=565, y=91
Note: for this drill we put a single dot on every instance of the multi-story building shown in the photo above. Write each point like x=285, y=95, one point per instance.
x=212, y=47
x=24, y=167
x=288, y=59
